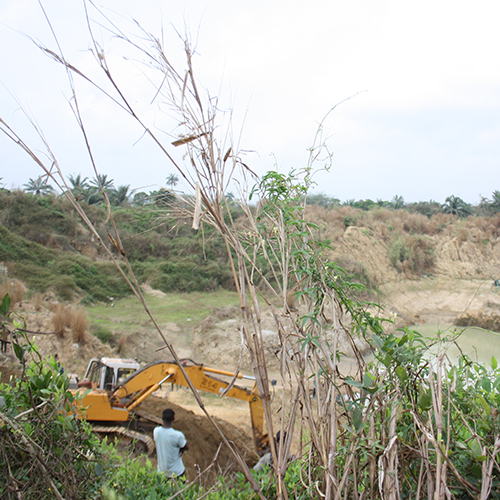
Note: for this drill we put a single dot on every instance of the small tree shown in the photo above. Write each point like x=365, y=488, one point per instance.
x=79, y=186
x=454, y=205
x=38, y=187
x=172, y=180
x=120, y=195
x=398, y=202
x=495, y=201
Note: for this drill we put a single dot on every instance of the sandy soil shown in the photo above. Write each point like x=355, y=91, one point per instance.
x=437, y=300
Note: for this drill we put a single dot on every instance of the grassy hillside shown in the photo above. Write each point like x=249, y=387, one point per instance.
x=44, y=243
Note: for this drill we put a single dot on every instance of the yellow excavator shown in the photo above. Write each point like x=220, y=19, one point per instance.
x=113, y=390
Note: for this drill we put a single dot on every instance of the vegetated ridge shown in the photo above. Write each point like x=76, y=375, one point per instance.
x=44, y=243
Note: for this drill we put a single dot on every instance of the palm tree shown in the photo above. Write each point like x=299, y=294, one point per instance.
x=38, y=187
x=102, y=182
x=398, y=202
x=94, y=194
x=79, y=186
x=427, y=208
x=120, y=195
x=495, y=201
x=456, y=206
x=172, y=180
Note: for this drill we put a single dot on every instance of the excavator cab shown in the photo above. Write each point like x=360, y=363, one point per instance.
x=106, y=373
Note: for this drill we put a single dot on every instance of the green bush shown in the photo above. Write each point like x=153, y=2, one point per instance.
x=186, y=274
x=132, y=480
x=460, y=412
x=412, y=252
x=46, y=213
x=44, y=446
x=103, y=333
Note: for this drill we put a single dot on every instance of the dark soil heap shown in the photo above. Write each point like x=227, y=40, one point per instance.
x=205, y=442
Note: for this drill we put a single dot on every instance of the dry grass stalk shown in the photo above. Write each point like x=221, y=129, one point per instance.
x=61, y=319
x=121, y=343
x=15, y=289
x=79, y=323
x=37, y=300
x=52, y=306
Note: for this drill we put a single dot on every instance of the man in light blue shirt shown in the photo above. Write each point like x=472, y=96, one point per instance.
x=170, y=445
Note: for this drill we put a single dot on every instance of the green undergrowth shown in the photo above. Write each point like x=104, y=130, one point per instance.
x=66, y=273
x=132, y=480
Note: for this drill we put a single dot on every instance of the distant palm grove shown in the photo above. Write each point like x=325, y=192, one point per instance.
x=91, y=191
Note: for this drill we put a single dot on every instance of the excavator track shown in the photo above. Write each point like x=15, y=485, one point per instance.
x=148, y=416
x=123, y=431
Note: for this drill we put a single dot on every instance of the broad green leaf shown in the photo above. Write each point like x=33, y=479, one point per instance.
x=378, y=341
x=368, y=379
x=402, y=375
x=425, y=401
x=371, y=390
x=476, y=451
x=494, y=363
x=4, y=307
x=485, y=405
x=387, y=360
x=486, y=384
x=19, y=352
x=402, y=340
x=354, y=383
x=476, y=471
x=99, y=469
x=357, y=418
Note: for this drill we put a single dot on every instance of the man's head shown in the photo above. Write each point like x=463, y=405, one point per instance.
x=168, y=416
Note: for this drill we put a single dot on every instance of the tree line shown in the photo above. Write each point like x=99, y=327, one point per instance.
x=91, y=192
x=453, y=205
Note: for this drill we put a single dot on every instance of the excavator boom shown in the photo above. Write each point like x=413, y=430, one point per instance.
x=119, y=403
x=142, y=383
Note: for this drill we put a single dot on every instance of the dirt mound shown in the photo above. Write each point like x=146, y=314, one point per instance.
x=204, y=440
x=481, y=319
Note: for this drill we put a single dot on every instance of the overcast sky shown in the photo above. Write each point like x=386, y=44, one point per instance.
x=423, y=122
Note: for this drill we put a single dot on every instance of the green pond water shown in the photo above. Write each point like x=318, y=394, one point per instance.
x=480, y=345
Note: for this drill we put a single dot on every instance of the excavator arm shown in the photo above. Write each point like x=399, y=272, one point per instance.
x=142, y=383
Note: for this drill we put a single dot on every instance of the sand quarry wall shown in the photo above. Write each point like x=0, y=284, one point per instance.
x=453, y=256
